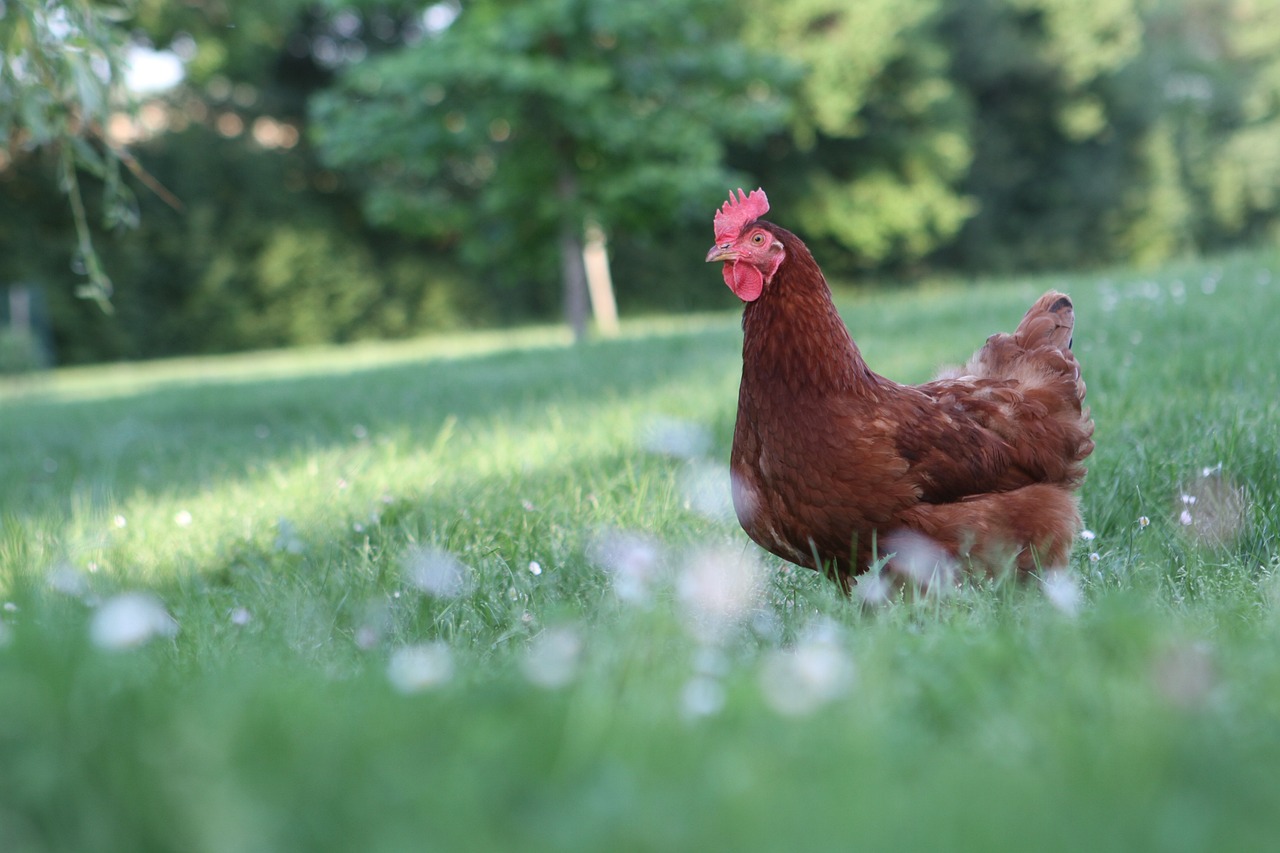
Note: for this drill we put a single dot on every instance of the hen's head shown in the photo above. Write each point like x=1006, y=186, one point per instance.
x=751, y=252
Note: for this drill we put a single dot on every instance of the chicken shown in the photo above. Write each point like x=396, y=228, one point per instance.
x=835, y=468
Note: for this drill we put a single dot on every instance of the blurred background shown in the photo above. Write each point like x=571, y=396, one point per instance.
x=265, y=173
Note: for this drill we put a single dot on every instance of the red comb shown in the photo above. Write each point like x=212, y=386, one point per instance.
x=736, y=213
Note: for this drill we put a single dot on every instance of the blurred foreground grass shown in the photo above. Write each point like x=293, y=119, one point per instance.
x=487, y=593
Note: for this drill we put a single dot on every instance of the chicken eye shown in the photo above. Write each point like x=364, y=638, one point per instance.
x=758, y=239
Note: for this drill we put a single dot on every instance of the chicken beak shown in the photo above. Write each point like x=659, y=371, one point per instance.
x=721, y=252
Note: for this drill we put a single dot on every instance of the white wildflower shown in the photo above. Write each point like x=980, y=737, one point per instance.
x=1088, y=535
x=367, y=637
x=702, y=696
x=717, y=588
x=413, y=669
x=1143, y=521
x=182, y=518
x=68, y=580
x=436, y=572
x=288, y=540
x=129, y=620
x=1214, y=509
x=767, y=625
x=708, y=490
x=801, y=680
x=535, y=568
x=919, y=558
x=633, y=562
x=873, y=588
x=1062, y=591
x=553, y=657
x=674, y=437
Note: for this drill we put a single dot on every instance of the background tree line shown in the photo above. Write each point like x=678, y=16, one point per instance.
x=340, y=170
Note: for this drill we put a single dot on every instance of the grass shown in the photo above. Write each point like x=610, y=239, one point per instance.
x=485, y=593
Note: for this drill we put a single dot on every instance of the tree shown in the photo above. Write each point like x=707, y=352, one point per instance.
x=1054, y=150
x=61, y=77
x=879, y=140
x=1117, y=132
x=1223, y=113
x=515, y=126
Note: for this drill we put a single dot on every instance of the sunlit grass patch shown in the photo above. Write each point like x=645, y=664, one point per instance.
x=478, y=594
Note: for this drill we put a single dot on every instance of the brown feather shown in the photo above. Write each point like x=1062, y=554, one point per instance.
x=830, y=461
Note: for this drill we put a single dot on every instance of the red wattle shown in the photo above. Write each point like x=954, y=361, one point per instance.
x=744, y=280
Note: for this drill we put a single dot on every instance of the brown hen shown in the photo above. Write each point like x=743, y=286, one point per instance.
x=835, y=467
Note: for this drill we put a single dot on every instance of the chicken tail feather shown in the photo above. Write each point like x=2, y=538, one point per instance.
x=1031, y=382
x=1038, y=353
x=1049, y=322
x=1043, y=338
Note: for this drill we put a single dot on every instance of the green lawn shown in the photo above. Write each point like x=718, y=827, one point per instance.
x=486, y=593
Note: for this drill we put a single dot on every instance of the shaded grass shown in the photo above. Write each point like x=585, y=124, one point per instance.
x=297, y=492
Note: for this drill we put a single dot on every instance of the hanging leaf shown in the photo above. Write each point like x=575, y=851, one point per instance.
x=60, y=82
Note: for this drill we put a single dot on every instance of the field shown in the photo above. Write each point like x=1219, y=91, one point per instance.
x=486, y=593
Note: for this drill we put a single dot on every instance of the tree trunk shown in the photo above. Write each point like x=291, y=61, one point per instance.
x=595, y=257
x=573, y=272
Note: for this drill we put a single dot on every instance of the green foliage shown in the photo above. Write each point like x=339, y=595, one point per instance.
x=267, y=251
x=1051, y=155
x=274, y=505
x=879, y=132
x=1084, y=41
x=1239, y=181
x=233, y=40
x=1115, y=131
x=518, y=121
x=60, y=83
x=445, y=164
